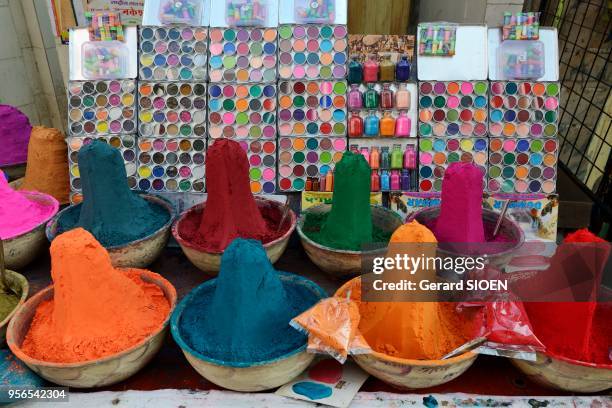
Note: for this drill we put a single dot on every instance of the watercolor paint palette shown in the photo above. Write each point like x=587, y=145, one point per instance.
x=262, y=161
x=172, y=109
x=312, y=51
x=126, y=145
x=453, y=109
x=300, y=158
x=243, y=55
x=522, y=165
x=524, y=109
x=436, y=154
x=101, y=107
x=313, y=108
x=171, y=165
x=245, y=111
x=173, y=53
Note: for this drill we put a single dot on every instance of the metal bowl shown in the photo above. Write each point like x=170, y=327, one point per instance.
x=95, y=373
x=567, y=374
x=247, y=376
x=210, y=262
x=341, y=263
x=24, y=248
x=136, y=254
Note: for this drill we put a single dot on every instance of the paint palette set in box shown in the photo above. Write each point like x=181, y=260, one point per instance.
x=171, y=165
x=125, y=143
x=242, y=111
x=393, y=163
x=172, y=109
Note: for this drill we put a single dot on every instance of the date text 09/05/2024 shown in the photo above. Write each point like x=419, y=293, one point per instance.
x=426, y=285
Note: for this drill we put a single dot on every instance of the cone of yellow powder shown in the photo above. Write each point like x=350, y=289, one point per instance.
x=47, y=168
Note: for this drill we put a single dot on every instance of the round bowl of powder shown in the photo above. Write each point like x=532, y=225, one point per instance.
x=205, y=251
x=410, y=355
x=22, y=224
x=134, y=248
x=260, y=352
x=98, y=372
x=9, y=303
x=334, y=256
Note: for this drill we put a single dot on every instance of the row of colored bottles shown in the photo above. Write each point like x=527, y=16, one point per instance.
x=372, y=99
x=373, y=126
x=373, y=71
x=323, y=183
x=394, y=170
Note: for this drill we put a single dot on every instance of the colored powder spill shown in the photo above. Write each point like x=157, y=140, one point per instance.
x=244, y=316
x=113, y=213
x=348, y=225
x=47, y=169
x=312, y=390
x=460, y=217
x=421, y=330
x=15, y=131
x=328, y=371
x=7, y=305
x=231, y=211
x=97, y=310
x=575, y=330
x=18, y=214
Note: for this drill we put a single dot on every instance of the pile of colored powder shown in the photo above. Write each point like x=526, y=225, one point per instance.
x=231, y=211
x=8, y=302
x=15, y=131
x=47, y=169
x=576, y=330
x=18, y=214
x=415, y=330
x=113, y=213
x=348, y=225
x=97, y=310
x=244, y=316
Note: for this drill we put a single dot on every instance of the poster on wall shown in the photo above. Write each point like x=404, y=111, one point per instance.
x=131, y=10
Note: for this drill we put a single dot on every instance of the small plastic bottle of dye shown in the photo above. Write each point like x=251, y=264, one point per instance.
x=387, y=69
x=370, y=70
x=406, y=181
x=397, y=157
x=402, y=69
x=375, y=181
x=395, y=180
x=386, y=97
x=410, y=163
x=315, y=184
x=329, y=181
x=402, y=97
x=322, y=182
x=374, y=158
x=365, y=152
x=355, y=98
x=355, y=125
x=371, y=99
x=372, y=124
x=385, y=159
x=308, y=186
x=387, y=125
x=402, y=125
x=355, y=72
x=384, y=181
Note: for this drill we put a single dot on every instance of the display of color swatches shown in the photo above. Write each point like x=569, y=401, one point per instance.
x=173, y=53
x=101, y=107
x=524, y=109
x=300, y=158
x=242, y=111
x=262, y=161
x=242, y=55
x=436, y=154
x=171, y=165
x=172, y=109
x=453, y=109
x=312, y=51
x=522, y=165
x=313, y=108
x=126, y=145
